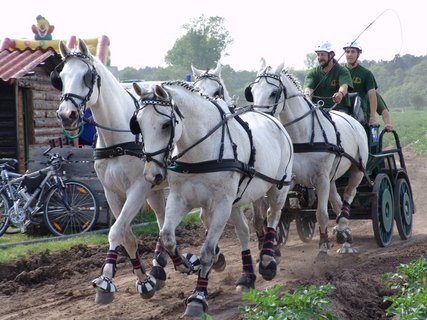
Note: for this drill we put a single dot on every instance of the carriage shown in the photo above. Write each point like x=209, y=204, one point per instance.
x=384, y=195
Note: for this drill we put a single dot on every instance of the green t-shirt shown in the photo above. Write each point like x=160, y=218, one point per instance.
x=326, y=84
x=381, y=105
x=363, y=81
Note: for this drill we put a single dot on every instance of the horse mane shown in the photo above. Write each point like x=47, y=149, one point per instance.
x=293, y=79
x=190, y=87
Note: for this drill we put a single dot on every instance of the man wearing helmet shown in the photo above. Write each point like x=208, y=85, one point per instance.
x=365, y=85
x=329, y=82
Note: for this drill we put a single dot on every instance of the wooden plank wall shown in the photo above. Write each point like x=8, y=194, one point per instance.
x=78, y=167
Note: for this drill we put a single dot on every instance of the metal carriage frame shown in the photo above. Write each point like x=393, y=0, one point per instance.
x=385, y=198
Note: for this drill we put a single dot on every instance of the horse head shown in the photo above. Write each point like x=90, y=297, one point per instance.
x=78, y=82
x=267, y=92
x=210, y=82
x=159, y=124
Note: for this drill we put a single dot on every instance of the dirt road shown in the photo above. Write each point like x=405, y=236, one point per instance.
x=55, y=286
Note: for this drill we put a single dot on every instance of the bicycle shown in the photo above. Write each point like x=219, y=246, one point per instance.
x=44, y=196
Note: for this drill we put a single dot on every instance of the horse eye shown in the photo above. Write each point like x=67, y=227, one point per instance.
x=274, y=94
x=166, y=125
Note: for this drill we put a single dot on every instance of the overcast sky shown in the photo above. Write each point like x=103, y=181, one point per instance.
x=141, y=32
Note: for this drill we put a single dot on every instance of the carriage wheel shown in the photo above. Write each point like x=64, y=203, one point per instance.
x=403, y=208
x=282, y=230
x=305, y=226
x=382, y=211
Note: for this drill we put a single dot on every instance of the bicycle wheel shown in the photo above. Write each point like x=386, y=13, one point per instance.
x=73, y=210
x=4, y=213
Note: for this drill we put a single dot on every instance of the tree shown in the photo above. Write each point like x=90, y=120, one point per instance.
x=310, y=60
x=203, y=45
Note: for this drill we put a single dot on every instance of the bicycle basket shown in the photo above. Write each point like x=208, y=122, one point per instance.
x=31, y=183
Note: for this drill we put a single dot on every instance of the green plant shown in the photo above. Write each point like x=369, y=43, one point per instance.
x=305, y=302
x=409, y=283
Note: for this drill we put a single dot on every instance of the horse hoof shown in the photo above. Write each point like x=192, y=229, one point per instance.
x=160, y=284
x=220, y=263
x=103, y=297
x=194, y=309
x=245, y=282
x=160, y=275
x=347, y=248
x=267, y=272
x=146, y=287
x=196, y=304
x=192, y=262
x=160, y=259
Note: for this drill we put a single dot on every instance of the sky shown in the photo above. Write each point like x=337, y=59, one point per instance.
x=141, y=32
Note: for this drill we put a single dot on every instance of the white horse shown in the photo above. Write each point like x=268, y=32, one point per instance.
x=326, y=147
x=211, y=83
x=85, y=82
x=220, y=161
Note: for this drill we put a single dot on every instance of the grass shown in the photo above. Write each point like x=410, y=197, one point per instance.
x=55, y=244
x=411, y=126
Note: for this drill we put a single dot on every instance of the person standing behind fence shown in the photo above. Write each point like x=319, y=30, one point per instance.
x=329, y=82
x=365, y=85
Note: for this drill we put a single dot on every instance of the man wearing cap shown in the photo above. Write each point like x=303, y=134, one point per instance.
x=365, y=85
x=328, y=83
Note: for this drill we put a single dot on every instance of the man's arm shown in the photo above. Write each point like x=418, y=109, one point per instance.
x=372, y=95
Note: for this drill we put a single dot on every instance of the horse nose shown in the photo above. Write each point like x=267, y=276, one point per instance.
x=70, y=115
x=158, y=179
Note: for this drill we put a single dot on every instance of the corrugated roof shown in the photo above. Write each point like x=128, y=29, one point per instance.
x=16, y=64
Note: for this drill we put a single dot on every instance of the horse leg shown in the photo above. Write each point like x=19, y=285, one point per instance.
x=176, y=208
x=104, y=285
x=219, y=260
x=260, y=208
x=196, y=303
x=322, y=215
x=248, y=277
x=342, y=229
x=157, y=201
x=267, y=266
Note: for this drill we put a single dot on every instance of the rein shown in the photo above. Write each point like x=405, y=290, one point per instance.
x=325, y=146
x=247, y=169
x=133, y=148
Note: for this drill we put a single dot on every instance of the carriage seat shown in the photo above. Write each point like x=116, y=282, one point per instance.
x=356, y=103
x=355, y=110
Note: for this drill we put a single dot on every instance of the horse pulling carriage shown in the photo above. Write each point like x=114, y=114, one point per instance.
x=384, y=194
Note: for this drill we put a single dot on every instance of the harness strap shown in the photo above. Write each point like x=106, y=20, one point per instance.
x=331, y=148
x=225, y=165
x=122, y=149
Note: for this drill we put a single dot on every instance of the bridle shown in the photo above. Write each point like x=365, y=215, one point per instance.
x=213, y=77
x=155, y=103
x=89, y=79
x=281, y=88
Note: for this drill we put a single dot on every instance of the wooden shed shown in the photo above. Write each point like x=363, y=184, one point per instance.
x=28, y=101
x=28, y=105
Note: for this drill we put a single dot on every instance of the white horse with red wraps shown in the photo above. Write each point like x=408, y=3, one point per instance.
x=326, y=147
x=216, y=160
x=85, y=82
x=210, y=82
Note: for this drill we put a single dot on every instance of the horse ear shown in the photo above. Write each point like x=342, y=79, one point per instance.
x=63, y=49
x=160, y=92
x=196, y=72
x=279, y=68
x=217, y=70
x=262, y=64
x=83, y=48
x=137, y=89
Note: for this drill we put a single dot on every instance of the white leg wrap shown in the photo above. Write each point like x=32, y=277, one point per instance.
x=105, y=284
